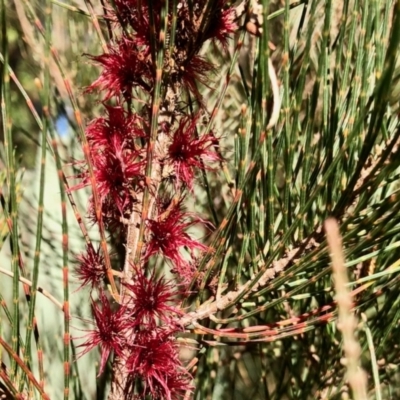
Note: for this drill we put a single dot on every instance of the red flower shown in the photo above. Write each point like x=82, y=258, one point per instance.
x=91, y=269
x=116, y=161
x=136, y=14
x=115, y=171
x=101, y=131
x=186, y=152
x=192, y=71
x=168, y=236
x=110, y=326
x=150, y=299
x=112, y=217
x=154, y=359
x=124, y=68
x=222, y=23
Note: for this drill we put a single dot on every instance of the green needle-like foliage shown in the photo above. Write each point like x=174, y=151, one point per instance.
x=296, y=106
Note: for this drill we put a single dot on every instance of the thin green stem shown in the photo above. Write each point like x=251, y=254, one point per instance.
x=11, y=183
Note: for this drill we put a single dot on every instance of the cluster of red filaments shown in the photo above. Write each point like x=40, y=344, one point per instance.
x=141, y=328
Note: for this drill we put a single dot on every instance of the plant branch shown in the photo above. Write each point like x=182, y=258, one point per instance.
x=211, y=307
x=44, y=292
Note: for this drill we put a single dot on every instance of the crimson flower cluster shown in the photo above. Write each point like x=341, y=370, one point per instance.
x=132, y=331
x=168, y=235
x=141, y=328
